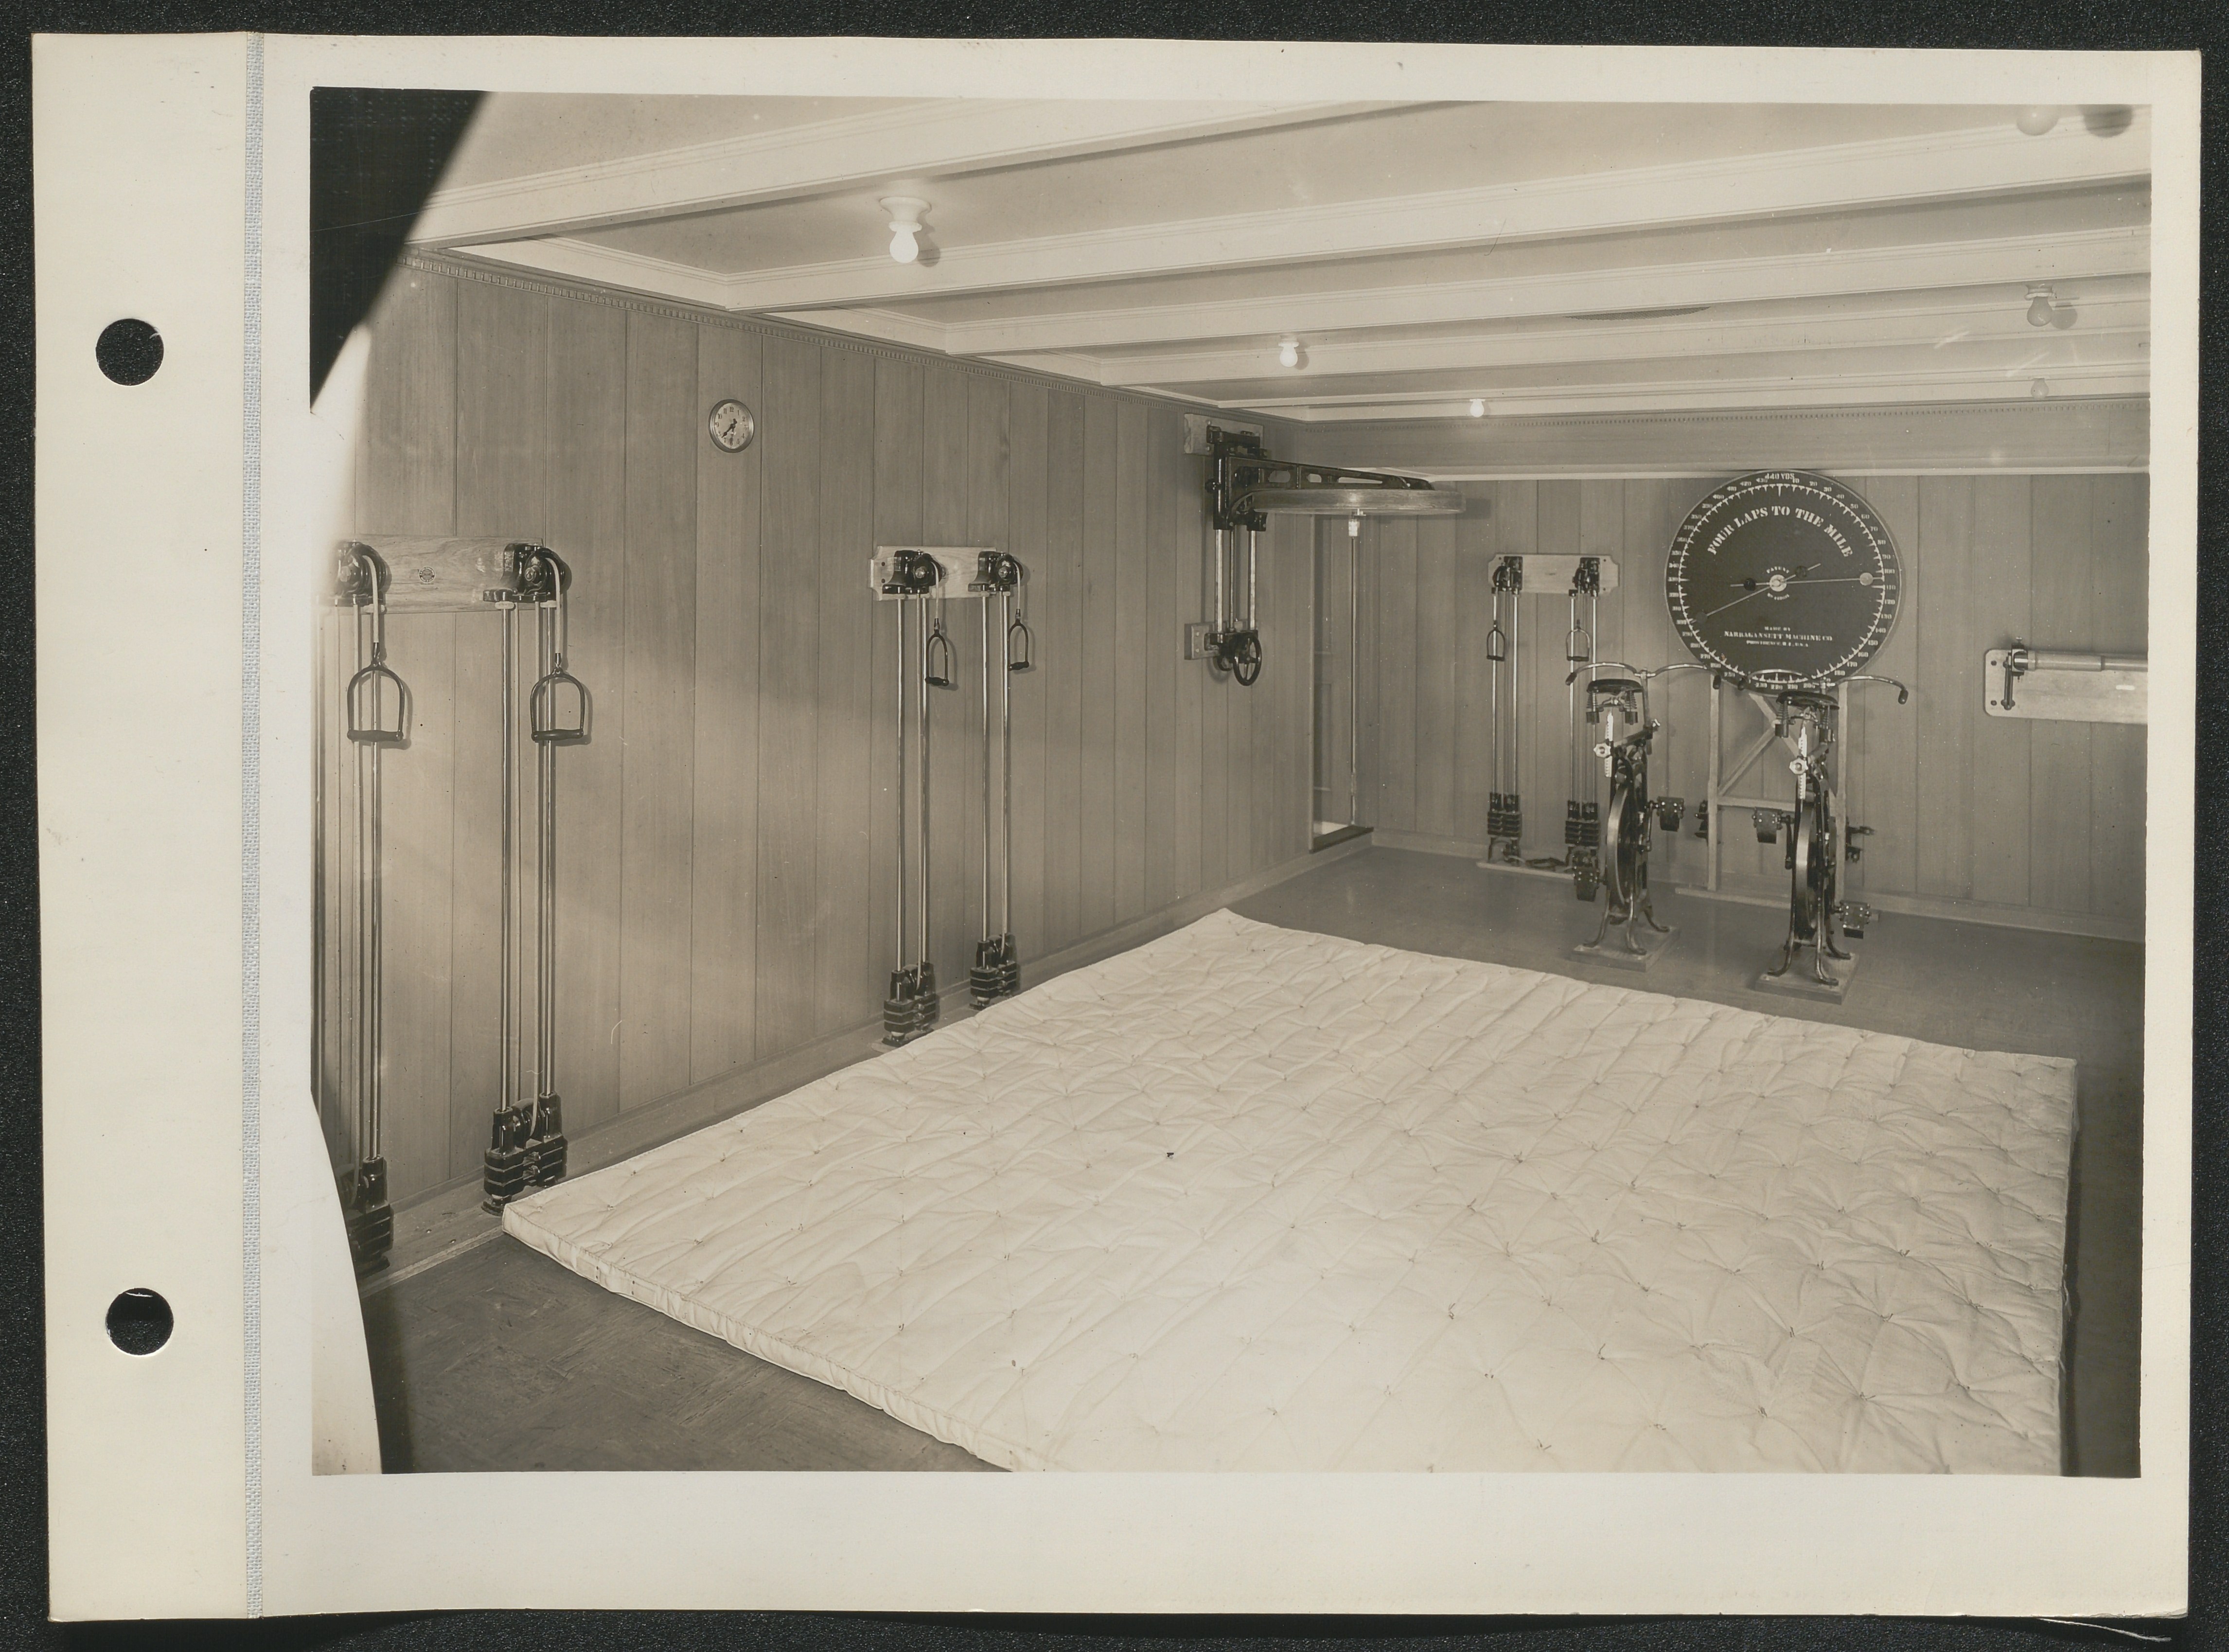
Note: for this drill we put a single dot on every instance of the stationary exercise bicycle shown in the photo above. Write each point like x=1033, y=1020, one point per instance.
x=1617, y=710
x=1805, y=719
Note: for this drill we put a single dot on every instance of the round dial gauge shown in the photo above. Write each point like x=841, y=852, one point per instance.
x=732, y=426
x=1784, y=577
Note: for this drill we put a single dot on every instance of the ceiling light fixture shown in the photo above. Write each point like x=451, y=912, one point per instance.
x=1288, y=352
x=905, y=212
x=2037, y=120
x=2040, y=391
x=2039, y=306
x=1477, y=408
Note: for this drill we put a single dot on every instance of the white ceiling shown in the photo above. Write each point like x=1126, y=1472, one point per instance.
x=1540, y=257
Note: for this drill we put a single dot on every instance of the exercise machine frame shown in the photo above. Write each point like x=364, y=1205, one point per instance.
x=374, y=578
x=927, y=578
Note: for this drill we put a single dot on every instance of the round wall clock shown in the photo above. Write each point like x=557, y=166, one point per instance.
x=732, y=426
x=1782, y=577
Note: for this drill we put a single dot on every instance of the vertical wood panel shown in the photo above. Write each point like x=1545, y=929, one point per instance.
x=1436, y=675
x=660, y=684
x=418, y=788
x=724, y=856
x=1184, y=517
x=586, y=525
x=1473, y=613
x=789, y=556
x=1026, y=435
x=1887, y=736
x=1216, y=855
x=1099, y=711
x=1131, y=661
x=1163, y=780
x=846, y=991
x=1280, y=776
x=406, y=483
x=988, y=484
x=1369, y=764
x=502, y=411
x=1550, y=742
x=1646, y=641
x=952, y=760
x=1058, y=601
x=2060, y=615
x=2120, y=569
x=1946, y=686
x=406, y=478
x=1602, y=533
x=898, y=497
x=2000, y=578
x=1516, y=512
x=1397, y=666
x=1245, y=727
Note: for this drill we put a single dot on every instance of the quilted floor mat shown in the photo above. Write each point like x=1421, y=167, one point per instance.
x=1248, y=1198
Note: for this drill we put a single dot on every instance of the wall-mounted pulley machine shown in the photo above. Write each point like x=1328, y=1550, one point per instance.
x=374, y=579
x=921, y=580
x=1580, y=583
x=1245, y=485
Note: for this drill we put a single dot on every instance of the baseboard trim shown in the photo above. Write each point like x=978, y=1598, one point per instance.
x=446, y=1221
x=2097, y=926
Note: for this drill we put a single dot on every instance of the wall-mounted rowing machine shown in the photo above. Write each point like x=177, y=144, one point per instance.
x=1244, y=486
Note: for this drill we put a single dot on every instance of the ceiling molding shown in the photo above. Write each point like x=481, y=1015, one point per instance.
x=2012, y=360
x=1837, y=178
x=2089, y=434
x=1807, y=390
x=1891, y=319
x=933, y=137
x=2076, y=254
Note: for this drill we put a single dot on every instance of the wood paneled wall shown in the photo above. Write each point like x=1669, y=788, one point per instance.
x=724, y=843
x=1987, y=816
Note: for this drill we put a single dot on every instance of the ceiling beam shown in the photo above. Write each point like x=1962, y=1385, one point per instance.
x=2078, y=255
x=930, y=138
x=1805, y=390
x=1927, y=320
x=1839, y=178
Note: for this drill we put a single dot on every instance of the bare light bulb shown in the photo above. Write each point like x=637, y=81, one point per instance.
x=2039, y=305
x=2040, y=391
x=2037, y=120
x=1477, y=408
x=1288, y=352
x=905, y=212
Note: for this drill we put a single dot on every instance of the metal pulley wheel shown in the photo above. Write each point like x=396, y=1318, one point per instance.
x=1811, y=887
x=1625, y=846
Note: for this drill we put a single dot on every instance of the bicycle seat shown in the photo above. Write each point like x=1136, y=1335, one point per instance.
x=1608, y=685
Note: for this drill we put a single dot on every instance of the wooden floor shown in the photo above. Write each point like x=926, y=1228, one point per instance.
x=498, y=1358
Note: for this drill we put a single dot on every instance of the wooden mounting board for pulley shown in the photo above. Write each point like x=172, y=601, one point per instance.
x=1552, y=575
x=2050, y=696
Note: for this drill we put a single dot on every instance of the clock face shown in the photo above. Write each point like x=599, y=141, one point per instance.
x=732, y=426
x=1782, y=577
